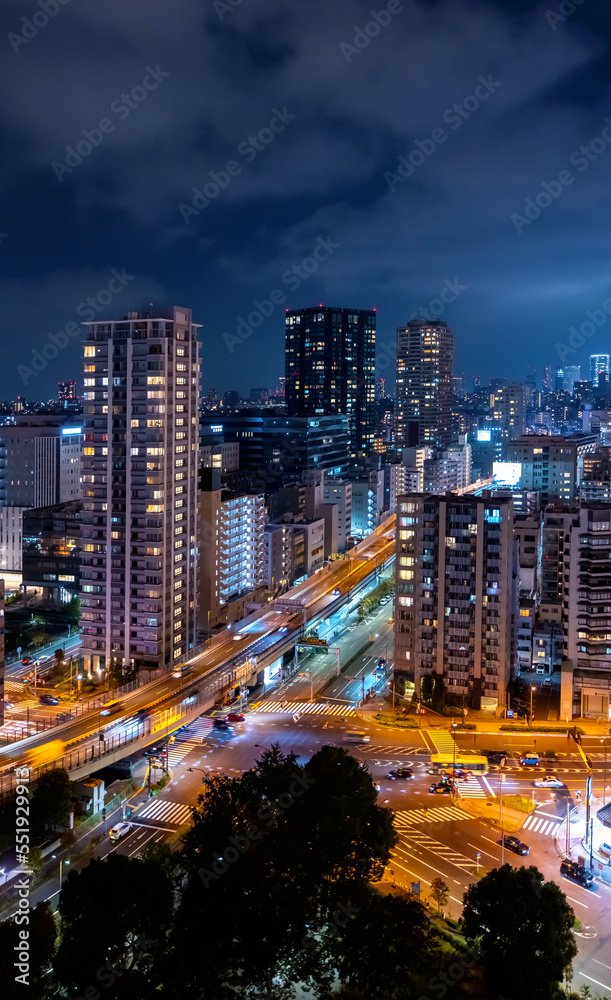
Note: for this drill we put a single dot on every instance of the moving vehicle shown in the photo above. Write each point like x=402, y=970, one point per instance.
x=336, y=592
x=35, y=756
x=400, y=772
x=222, y=724
x=235, y=717
x=495, y=756
x=577, y=873
x=441, y=788
x=459, y=761
x=529, y=760
x=548, y=781
x=48, y=699
x=110, y=707
x=356, y=737
x=26, y=660
x=515, y=845
x=120, y=830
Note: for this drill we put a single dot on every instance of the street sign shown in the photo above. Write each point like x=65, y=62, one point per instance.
x=510, y=713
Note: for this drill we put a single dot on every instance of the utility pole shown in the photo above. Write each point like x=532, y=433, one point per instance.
x=501, y=780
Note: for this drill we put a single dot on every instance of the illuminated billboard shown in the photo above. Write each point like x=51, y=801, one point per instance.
x=507, y=473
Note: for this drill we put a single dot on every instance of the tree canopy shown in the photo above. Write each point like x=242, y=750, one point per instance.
x=524, y=928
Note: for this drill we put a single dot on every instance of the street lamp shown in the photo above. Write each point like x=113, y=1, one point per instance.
x=203, y=770
x=530, y=718
x=605, y=772
x=261, y=747
x=61, y=864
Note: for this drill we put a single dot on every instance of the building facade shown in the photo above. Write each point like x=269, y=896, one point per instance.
x=52, y=549
x=424, y=384
x=551, y=465
x=456, y=595
x=330, y=368
x=140, y=465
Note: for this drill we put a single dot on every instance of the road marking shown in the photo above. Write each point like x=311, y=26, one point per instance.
x=478, y=849
x=577, y=901
x=598, y=983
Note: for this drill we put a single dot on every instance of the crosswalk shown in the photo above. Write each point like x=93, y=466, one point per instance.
x=390, y=752
x=442, y=741
x=427, y=843
x=542, y=824
x=305, y=708
x=471, y=788
x=165, y=811
x=188, y=740
x=409, y=817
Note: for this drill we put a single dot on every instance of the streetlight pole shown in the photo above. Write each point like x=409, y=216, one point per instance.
x=530, y=718
x=501, y=780
x=605, y=772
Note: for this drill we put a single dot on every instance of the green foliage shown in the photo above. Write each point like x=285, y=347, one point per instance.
x=524, y=927
x=42, y=934
x=35, y=861
x=72, y=610
x=519, y=802
x=59, y=656
x=288, y=842
x=440, y=892
x=39, y=638
x=51, y=801
x=113, y=911
x=426, y=688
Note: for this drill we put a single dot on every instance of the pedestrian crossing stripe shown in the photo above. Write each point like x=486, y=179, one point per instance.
x=176, y=751
x=435, y=815
x=538, y=824
x=470, y=788
x=443, y=742
x=391, y=752
x=305, y=708
x=166, y=811
x=441, y=850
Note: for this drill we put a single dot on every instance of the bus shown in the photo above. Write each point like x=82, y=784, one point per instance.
x=442, y=763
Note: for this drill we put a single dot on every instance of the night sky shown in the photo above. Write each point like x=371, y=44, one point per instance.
x=291, y=119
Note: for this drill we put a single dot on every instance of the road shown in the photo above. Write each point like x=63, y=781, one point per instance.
x=437, y=837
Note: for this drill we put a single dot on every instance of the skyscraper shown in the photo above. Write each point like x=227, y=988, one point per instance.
x=330, y=368
x=424, y=384
x=67, y=391
x=509, y=410
x=140, y=488
x=599, y=364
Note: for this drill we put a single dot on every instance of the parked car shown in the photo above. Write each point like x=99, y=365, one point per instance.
x=548, y=781
x=494, y=756
x=120, y=830
x=577, y=873
x=399, y=773
x=235, y=717
x=48, y=699
x=547, y=682
x=441, y=788
x=529, y=760
x=515, y=845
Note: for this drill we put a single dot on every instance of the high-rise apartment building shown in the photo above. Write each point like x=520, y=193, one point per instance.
x=67, y=391
x=40, y=464
x=2, y=657
x=551, y=464
x=456, y=594
x=566, y=378
x=330, y=368
x=140, y=465
x=424, y=384
x=599, y=365
x=509, y=409
x=380, y=389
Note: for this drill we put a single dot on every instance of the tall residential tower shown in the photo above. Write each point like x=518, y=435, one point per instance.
x=330, y=368
x=140, y=468
x=424, y=384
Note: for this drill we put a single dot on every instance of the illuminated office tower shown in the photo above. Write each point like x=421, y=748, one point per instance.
x=330, y=368
x=140, y=468
x=424, y=384
x=599, y=365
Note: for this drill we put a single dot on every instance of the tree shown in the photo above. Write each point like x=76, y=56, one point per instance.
x=59, y=656
x=35, y=861
x=314, y=833
x=524, y=927
x=383, y=946
x=437, y=697
x=51, y=800
x=114, y=917
x=41, y=942
x=440, y=892
x=39, y=638
x=426, y=688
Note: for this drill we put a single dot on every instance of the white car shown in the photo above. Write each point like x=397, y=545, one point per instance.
x=120, y=830
x=548, y=781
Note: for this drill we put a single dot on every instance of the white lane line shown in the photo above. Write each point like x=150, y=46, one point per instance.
x=577, y=901
x=478, y=849
x=603, y=965
x=598, y=983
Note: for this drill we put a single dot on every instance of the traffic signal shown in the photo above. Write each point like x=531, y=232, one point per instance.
x=588, y=761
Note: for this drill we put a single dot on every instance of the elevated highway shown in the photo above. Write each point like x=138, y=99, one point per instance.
x=85, y=744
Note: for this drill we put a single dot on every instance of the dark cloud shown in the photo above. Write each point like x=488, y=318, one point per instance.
x=356, y=113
